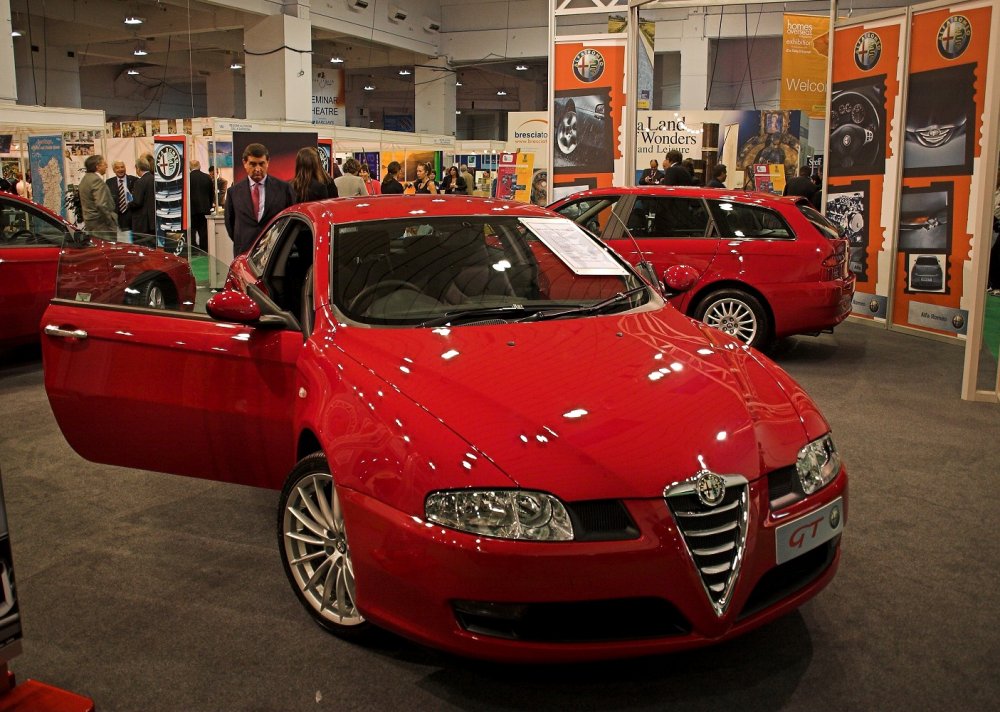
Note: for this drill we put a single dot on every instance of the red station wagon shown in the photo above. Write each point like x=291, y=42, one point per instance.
x=761, y=267
x=489, y=433
x=34, y=240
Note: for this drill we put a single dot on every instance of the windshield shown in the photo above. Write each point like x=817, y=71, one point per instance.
x=471, y=270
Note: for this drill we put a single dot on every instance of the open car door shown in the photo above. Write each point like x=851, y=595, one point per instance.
x=173, y=390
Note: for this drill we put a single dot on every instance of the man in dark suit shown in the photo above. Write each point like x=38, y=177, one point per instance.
x=802, y=185
x=251, y=203
x=121, y=186
x=143, y=205
x=202, y=200
x=652, y=175
x=676, y=174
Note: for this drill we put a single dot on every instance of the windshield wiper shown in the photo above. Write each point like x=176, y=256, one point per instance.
x=586, y=308
x=504, y=312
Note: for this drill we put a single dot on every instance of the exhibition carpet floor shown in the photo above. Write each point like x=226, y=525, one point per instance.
x=151, y=592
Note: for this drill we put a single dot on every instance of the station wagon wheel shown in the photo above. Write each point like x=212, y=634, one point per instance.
x=568, y=134
x=314, y=548
x=151, y=292
x=737, y=313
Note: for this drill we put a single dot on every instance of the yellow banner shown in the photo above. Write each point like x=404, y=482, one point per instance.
x=805, y=47
x=522, y=191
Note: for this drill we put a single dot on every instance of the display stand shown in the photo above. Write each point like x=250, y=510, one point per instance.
x=220, y=249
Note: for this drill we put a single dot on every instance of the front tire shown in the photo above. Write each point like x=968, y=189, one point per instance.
x=739, y=314
x=315, y=552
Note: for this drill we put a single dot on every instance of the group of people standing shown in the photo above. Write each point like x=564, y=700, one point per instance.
x=17, y=184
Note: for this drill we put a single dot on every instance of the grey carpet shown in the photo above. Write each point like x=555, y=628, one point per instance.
x=151, y=592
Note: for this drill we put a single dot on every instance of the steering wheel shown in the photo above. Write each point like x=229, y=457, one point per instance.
x=386, y=285
x=20, y=233
x=856, y=126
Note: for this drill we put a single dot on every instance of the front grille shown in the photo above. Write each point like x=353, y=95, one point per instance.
x=575, y=622
x=601, y=520
x=715, y=536
x=787, y=578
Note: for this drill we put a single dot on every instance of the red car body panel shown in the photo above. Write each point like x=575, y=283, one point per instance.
x=98, y=271
x=397, y=421
x=802, y=296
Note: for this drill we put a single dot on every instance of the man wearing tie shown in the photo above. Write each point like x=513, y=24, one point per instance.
x=251, y=203
x=121, y=187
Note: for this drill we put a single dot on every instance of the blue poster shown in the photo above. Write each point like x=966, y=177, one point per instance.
x=48, y=182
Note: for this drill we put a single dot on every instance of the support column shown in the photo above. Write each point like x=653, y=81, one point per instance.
x=695, y=62
x=434, y=97
x=278, y=67
x=8, y=80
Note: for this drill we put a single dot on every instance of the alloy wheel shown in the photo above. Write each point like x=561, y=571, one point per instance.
x=734, y=317
x=155, y=298
x=316, y=549
x=567, y=137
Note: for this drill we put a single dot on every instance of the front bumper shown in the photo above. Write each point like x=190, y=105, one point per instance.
x=455, y=591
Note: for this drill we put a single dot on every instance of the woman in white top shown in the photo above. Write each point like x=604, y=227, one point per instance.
x=350, y=184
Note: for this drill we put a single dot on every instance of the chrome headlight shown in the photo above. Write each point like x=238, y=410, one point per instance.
x=818, y=463
x=506, y=514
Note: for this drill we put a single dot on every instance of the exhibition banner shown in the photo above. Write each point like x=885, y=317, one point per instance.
x=618, y=24
x=769, y=178
x=328, y=102
x=946, y=101
x=170, y=186
x=805, y=47
x=524, y=190
x=325, y=148
x=48, y=182
x=528, y=131
x=589, y=106
x=507, y=176
x=864, y=156
x=282, y=147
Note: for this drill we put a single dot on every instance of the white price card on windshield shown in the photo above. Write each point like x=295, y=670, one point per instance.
x=580, y=252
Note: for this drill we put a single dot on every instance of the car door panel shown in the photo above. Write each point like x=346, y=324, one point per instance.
x=170, y=393
x=27, y=279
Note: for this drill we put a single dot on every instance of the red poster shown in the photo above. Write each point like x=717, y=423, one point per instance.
x=864, y=130
x=507, y=176
x=948, y=76
x=588, y=109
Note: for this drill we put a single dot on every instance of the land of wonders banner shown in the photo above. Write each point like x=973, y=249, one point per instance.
x=805, y=47
x=864, y=133
x=589, y=107
x=946, y=101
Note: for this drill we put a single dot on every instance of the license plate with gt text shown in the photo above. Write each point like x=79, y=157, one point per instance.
x=809, y=531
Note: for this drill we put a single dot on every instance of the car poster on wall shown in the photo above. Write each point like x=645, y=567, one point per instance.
x=864, y=139
x=170, y=189
x=943, y=119
x=588, y=108
x=10, y=613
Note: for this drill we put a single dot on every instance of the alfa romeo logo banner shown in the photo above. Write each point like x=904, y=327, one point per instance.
x=170, y=187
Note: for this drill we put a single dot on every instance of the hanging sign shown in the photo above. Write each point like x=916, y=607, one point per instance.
x=328, y=103
x=805, y=46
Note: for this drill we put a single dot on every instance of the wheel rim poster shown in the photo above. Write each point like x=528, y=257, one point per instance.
x=588, y=110
x=863, y=156
x=911, y=257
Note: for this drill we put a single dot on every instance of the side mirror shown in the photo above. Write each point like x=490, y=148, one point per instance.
x=600, y=110
x=680, y=278
x=233, y=306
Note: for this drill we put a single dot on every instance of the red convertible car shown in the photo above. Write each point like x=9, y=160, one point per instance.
x=489, y=433
x=34, y=240
x=760, y=267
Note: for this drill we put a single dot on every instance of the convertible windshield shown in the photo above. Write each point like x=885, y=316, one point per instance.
x=465, y=270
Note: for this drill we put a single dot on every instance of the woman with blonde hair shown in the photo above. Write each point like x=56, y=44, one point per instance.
x=350, y=184
x=311, y=181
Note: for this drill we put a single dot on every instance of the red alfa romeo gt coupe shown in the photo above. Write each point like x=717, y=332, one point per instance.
x=490, y=435
x=34, y=240
x=760, y=267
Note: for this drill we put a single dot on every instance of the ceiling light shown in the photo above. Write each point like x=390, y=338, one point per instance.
x=405, y=72
x=501, y=92
x=369, y=87
x=521, y=68
x=458, y=83
x=336, y=60
x=235, y=65
x=458, y=111
x=132, y=71
x=133, y=20
x=140, y=49
x=15, y=33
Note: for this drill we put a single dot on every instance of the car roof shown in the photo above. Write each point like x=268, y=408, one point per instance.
x=689, y=192
x=388, y=207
